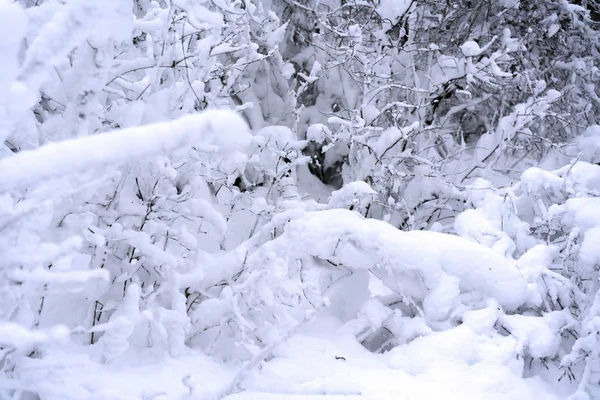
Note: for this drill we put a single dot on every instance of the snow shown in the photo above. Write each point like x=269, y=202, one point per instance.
x=393, y=9
x=47, y=277
x=155, y=244
x=431, y=267
x=308, y=366
x=470, y=49
x=475, y=225
x=139, y=374
x=442, y=365
x=583, y=177
x=212, y=131
x=15, y=335
x=579, y=212
x=353, y=194
x=588, y=144
x=590, y=253
x=13, y=25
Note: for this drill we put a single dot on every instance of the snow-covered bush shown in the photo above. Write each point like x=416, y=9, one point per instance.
x=549, y=222
x=437, y=86
x=139, y=221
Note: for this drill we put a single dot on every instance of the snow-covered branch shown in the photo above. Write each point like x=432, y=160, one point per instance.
x=210, y=131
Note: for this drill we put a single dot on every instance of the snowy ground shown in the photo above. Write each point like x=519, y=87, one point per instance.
x=456, y=364
x=318, y=363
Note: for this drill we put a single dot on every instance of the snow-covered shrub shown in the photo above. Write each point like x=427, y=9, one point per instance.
x=332, y=253
x=439, y=85
x=548, y=222
x=120, y=250
x=174, y=233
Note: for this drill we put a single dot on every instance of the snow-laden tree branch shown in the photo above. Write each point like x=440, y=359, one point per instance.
x=210, y=131
x=430, y=268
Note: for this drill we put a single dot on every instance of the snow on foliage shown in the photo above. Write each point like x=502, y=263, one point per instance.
x=431, y=268
x=282, y=199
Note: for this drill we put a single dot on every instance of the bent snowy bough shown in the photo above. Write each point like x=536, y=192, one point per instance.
x=212, y=131
x=439, y=271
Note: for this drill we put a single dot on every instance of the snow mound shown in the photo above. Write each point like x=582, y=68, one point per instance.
x=455, y=364
x=140, y=374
